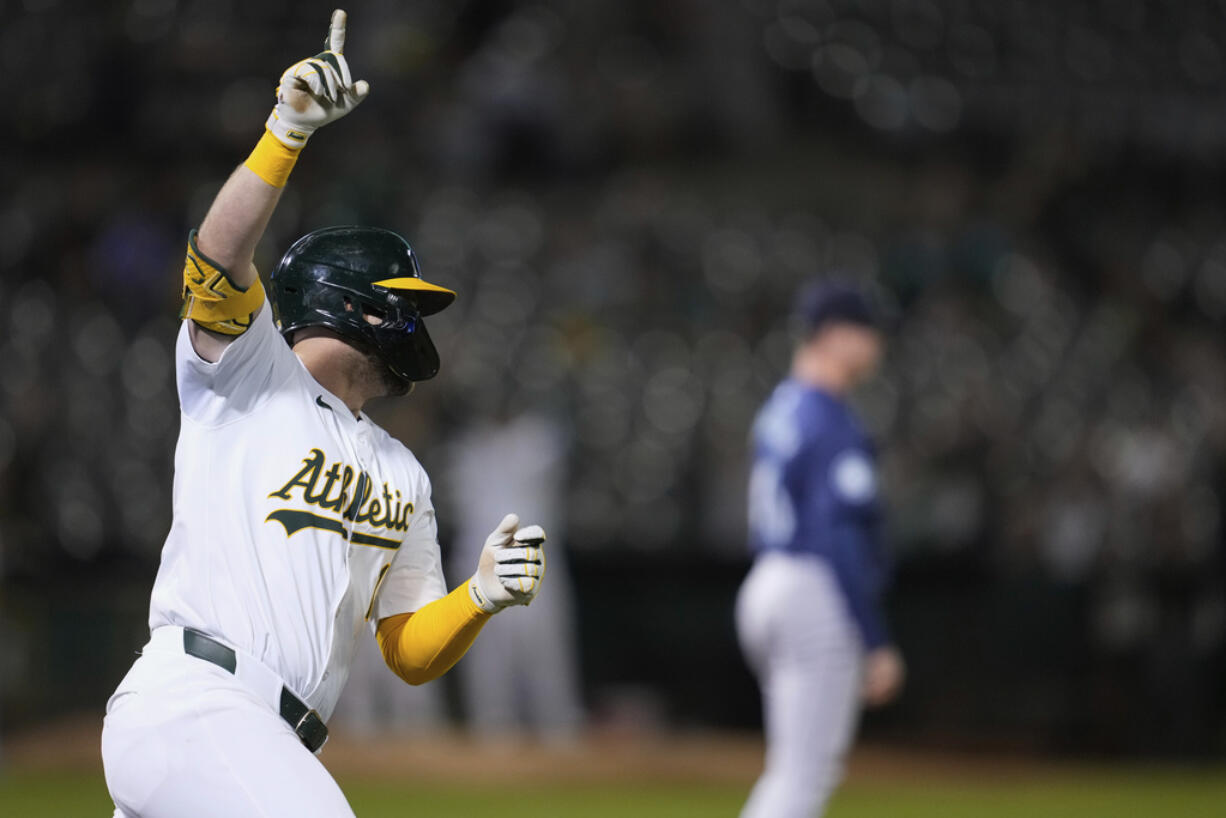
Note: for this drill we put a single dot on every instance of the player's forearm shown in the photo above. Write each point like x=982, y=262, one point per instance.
x=424, y=645
x=861, y=580
x=421, y=646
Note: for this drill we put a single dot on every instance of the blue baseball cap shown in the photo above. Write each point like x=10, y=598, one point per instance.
x=822, y=303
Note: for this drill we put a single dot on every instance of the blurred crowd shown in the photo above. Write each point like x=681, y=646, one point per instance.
x=626, y=196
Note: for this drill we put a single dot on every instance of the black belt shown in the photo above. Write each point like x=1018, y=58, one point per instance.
x=305, y=722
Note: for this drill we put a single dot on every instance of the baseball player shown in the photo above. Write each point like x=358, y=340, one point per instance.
x=807, y=614
x=298, y=523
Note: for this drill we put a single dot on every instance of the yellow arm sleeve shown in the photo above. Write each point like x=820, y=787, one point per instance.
x=421, y=646
x=211, y=299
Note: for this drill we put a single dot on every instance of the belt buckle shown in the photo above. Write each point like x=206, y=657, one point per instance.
x=308, y=738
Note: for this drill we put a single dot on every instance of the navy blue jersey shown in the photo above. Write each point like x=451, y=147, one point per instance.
x=813, y=489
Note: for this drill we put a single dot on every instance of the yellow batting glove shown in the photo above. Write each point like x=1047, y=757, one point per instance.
x=316, y=91
x=511, y=567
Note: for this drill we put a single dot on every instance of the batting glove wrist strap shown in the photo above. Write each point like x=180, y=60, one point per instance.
x=316, y=91
x=511, y=567
x=480, y=598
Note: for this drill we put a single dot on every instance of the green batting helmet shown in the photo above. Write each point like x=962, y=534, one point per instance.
x=364, y=284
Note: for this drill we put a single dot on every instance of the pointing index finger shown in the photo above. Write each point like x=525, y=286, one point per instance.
x=336, y=32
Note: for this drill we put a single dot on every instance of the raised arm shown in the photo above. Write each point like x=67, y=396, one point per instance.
x=222, y=292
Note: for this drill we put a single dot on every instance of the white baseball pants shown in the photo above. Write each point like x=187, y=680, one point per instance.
x=183, y=738
x=802, y=644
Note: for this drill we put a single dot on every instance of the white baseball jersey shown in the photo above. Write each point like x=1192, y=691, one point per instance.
x=295, y=523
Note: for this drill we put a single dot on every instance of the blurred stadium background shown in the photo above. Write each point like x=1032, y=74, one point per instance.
x=626, y=195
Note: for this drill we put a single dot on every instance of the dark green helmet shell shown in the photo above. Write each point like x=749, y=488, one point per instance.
x=337, y=276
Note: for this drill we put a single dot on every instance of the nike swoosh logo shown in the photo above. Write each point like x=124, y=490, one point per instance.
x=319, y=399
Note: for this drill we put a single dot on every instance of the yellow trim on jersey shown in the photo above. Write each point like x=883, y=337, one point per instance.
x=211, y=299
x=272, y=160
x=370, y=609
x=419, y=647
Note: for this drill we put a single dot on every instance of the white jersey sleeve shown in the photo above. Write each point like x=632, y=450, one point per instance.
x=416, y=574
x=248, y=371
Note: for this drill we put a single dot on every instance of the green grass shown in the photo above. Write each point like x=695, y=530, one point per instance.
x=53, y=794
x=1122, y=794
x=379, y=800
x=1101, y=793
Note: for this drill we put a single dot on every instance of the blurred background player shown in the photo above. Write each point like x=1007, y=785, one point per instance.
x=524, y=675
x=808, y=614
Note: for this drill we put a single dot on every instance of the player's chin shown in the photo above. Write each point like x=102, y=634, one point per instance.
x=391, y=385
x=395, y=386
